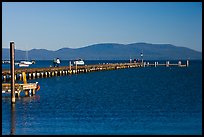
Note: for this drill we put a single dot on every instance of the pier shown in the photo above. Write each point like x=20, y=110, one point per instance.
x=29, y=89
x=12, y=75
x=33, y=73
x=16, y=88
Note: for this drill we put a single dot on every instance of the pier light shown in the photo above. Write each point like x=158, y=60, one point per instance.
x=142, y=56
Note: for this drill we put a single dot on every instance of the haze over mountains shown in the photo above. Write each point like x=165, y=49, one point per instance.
x=110, y=51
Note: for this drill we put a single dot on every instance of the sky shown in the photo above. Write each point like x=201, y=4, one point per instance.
x=56, y=25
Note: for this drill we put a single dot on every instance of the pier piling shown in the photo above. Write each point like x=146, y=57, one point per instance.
x=24, y=78
x=76, y=68
x=33, y=75
x=144, y=64
x=4, y=77
x=167, y=63
x=187, y=63
x=29, y=75
x=70, y=63
x=12, y=58
x=179, y=63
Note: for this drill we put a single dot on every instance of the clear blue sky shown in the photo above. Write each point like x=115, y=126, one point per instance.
x=78, y=24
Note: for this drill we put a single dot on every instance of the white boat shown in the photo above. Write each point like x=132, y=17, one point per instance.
x=79, y=62
x=23, y=65
x=26, y=62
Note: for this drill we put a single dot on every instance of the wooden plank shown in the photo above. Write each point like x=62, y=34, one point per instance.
x=7, y=86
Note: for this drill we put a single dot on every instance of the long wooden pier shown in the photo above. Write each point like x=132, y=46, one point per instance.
x=33, y=73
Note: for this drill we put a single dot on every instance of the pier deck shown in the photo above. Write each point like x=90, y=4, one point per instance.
x=33, y=73
x=28, y=87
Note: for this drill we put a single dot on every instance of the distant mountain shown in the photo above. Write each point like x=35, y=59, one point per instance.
x=110, y=51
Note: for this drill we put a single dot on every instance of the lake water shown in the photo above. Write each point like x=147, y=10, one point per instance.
x=147, y=101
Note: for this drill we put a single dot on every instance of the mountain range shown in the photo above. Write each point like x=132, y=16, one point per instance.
x=110, y=51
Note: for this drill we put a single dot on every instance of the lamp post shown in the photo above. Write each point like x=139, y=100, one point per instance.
x=142, y=57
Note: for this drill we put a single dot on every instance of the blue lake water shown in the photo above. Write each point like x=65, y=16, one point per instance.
x=147, y=101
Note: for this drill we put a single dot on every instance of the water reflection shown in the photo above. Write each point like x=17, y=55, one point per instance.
x=25, y=101
x=29, y=99
x=13, y=119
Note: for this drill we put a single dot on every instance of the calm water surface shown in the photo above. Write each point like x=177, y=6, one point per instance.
x=128, y=101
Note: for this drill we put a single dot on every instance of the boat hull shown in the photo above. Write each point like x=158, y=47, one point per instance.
x=26, y=62
x=23, y=65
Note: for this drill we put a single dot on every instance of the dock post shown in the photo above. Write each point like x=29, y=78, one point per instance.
x=76, y=68
x=70, y=63
x=12, y=58
x=46, y=74
x=187, y=63
x=30, y=93
x=29, y=75
x=179, y=63
x=20, y=76
x=38, y=75
x=167, y=63
x=4, y=77
x=9, y=77
x=33, y=92
x=24, y=78
x=33, y=75
x=144, y=64
x=26, y=93
x=142, y=58
x=18, y=94
x=155, y=63
x=42, y=74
